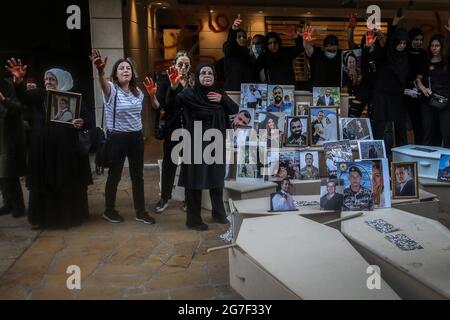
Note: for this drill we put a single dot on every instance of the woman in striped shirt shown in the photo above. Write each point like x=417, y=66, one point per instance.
x=123, y=106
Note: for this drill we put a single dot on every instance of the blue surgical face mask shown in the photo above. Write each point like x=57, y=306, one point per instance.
x=330, y=55
x=257, y=50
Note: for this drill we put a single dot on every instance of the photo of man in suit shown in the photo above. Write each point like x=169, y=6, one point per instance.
x=404, y=183
x=326, y=100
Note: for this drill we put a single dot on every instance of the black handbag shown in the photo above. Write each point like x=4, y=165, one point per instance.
x=102, y=160
x=437, y=101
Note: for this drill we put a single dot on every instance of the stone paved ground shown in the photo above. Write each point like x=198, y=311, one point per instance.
x=117, y=261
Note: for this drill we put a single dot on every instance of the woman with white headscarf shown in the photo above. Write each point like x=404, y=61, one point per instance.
x=58, y=174
x=330, y=127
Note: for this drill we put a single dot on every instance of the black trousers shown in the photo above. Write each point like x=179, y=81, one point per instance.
x=12, y=194
x=413, y=107
x=194, y=205
x=126, y=145
x=436, y=125
x=169, y=169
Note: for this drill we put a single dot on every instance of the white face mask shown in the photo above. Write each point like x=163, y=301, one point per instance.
x=257, y=50
x=330, y=55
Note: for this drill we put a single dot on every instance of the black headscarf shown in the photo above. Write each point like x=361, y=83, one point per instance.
x=197, y=106
x=398, y=60
x=277, y=37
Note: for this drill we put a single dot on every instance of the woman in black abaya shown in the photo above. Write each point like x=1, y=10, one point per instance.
x=211, y=107
x=58, y=173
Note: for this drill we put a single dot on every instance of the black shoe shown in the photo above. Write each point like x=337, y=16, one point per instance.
x=145, y=218
x=6, y=210
x=112, y=216
x=220, y=219
x=200, y=227
x=161, y=206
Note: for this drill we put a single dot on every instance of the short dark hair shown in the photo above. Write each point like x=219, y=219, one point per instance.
x=277, y=87
x=309, y=154
x=331, y=40
x=246, y=114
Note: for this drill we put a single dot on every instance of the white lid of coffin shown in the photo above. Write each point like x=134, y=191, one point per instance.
x=421, y=151
x=430, y=265
x=312, y=260
x=261, y=206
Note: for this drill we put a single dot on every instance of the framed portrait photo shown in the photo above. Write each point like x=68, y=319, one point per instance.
x=302, y=108
x=444, y=168
x=254, y=96
x=355, y=129
x=327, y=96
x=371, y=149
x=280, y=99
x=282, y=200
x=405, y=180
x=331, y=194
x=323, y=125
x=63, y=107
x=296, y=131
x=309, y=165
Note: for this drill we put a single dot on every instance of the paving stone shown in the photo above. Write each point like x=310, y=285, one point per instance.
x=218, y=273
x=47, y=245
x=191, y=277
x=87, y=263
x=13, y=292
x=180, y=236
x=31, y=263
x=26, y=280
x=115, y=280
x=136, y=250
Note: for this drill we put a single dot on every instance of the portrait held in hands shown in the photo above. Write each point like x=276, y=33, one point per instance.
x=63, y=107
x=405, y=182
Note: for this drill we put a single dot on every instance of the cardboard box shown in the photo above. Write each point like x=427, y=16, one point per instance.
x=291, y=257
x=415, y=274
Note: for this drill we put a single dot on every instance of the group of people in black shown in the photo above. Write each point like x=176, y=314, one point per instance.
x=58, y=174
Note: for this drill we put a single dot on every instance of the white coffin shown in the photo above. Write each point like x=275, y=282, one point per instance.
x=291, y=257
x=416, y=274
x=427, y=158
x=259, y=207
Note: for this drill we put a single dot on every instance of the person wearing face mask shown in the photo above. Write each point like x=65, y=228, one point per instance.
x=390, y=84
x=178, y=77
x=211, y=107
x=238, y=62
x=276, y=60
x=58, y=174
x=325, y=63
x=436, y=80
x=123, y=107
